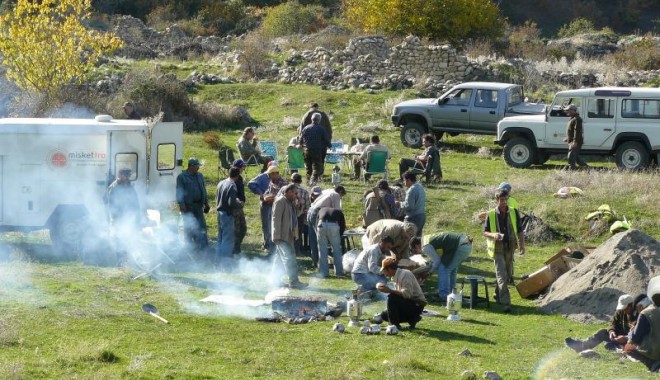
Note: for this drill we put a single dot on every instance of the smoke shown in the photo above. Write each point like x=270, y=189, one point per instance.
x=16, y=285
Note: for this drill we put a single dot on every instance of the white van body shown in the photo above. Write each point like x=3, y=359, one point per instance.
x=619, y=121
x=54, y=172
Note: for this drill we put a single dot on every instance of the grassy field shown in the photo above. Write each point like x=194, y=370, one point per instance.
x=68, y=320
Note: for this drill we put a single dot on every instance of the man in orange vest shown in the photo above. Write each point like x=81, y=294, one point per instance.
x=503, y=233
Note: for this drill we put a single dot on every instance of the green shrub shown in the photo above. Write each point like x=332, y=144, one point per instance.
x=209, y=116
x=525, y=42
x=254, y=60
x=292, y=18
x=227, y=17
x=579, y=25
x=641, y=55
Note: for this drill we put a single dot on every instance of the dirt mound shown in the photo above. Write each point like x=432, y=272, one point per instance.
x=589, y=292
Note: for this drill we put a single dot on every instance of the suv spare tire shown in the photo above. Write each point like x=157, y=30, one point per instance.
x=519, y=152
x=632, y=155
x=411, y=134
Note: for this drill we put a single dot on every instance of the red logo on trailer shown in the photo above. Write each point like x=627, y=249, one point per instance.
x=58, y=159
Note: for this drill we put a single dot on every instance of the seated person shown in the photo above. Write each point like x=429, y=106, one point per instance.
x=366, y=269
x=420, y=161
x=363, y=160
x=616, y=336
x=248, y=147
x=644, y=343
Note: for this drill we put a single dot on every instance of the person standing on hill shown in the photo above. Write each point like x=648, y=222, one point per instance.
x=284, y=231
x=226, y=198
x=503, y=232
x=323, y=122
x=414, y=207
x=574, y=138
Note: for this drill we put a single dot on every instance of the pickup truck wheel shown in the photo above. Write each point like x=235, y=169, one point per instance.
x=411, y=135
x=632, y=155
x=519, y=153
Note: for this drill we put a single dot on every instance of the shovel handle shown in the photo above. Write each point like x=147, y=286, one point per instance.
x=158, y=317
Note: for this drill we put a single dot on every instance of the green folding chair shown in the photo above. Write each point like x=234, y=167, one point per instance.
x=295, y=159
x=376, y=164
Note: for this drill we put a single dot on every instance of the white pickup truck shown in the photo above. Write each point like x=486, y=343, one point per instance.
x=471, y=107
x=624, y=122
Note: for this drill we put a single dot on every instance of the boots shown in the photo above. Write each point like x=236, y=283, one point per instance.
x=575, y=344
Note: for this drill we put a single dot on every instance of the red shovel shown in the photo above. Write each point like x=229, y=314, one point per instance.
x=153, y=311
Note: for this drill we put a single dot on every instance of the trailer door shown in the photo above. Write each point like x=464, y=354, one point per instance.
x=2, y=192
x=165, y=161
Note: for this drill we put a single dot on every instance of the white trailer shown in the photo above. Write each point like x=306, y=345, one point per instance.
x=54, y=172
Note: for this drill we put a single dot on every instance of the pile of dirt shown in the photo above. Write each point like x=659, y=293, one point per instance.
x=589, y=292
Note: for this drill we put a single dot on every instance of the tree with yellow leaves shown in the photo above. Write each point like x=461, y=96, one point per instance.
x=450, y=20
x=45, y=45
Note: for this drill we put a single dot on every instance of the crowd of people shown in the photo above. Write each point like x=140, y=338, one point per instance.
x=296, y=220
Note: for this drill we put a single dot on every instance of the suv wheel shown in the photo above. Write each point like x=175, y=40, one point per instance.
x=411, y=134
x=632, y=155
x=519, y=153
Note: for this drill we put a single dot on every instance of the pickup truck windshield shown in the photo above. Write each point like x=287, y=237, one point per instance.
x=515, y=96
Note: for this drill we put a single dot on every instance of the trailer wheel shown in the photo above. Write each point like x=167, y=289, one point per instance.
x=66, y=236
x=519, y=152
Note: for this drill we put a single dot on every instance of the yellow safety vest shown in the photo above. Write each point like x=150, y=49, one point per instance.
x=490, y=243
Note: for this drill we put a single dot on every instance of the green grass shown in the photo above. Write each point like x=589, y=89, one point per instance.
x=67, y=320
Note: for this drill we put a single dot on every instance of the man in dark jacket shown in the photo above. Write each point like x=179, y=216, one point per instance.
x=193, y=204
x=574, y=137
x=226, y=198
x=315, y=141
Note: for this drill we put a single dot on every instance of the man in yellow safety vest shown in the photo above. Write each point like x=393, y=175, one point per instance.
x=503, y=234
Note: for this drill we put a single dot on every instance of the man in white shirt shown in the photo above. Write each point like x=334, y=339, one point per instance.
x=366, y=269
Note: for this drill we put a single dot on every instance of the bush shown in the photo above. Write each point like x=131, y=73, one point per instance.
x=579, y=25
x=641, y=55
x=525, y=42
x=211, y=116
x=254, y=59
x=292, y=18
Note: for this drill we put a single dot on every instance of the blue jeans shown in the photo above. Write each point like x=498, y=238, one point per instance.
x=312, y=216
x=226, y=235
x=447, y=274
x=418, y=220
x=369, y=280
x=286, y=257
x=328, y=233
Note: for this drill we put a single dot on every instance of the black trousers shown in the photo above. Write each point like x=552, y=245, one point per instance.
x=401, y=309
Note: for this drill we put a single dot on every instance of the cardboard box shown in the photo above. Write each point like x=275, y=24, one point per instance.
x=571, y=262
x=537, y=282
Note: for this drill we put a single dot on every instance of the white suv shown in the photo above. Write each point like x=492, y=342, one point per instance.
x=619, y=121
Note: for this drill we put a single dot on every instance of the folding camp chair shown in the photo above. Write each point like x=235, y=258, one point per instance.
x=431, y=170
x=376, y=164
x=268, y=148
x=295, y=159
x=337, y=146
x=225, y=159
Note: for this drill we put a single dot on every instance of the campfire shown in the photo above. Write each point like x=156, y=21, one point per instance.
x=296, y=310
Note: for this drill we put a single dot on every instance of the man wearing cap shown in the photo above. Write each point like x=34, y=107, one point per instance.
x=616, y=335
x=366, y=269
x=193, y=204
x=315, y=142
x=406, y=301
x=503, y=232
x=328, y=198
x=512, y=202
x=248, y=147
x=240, y=224
x=284, y=231
x=644, y=343
x=574, y=137
x=276, y=182
x=226, y=198
x=379, y=204
x=399, y=232
x=258, y=185
x=129, y=110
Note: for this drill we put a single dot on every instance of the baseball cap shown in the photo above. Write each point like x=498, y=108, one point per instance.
x=389, y=260
x=238, y=163
x=193, y=161
x=570, y=107
x=316, y=190
x=273, y=169
x=505, y=186
x=624, y=301
x=654, y=287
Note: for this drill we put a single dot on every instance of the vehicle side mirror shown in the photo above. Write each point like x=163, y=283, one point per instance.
x=443, y=101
